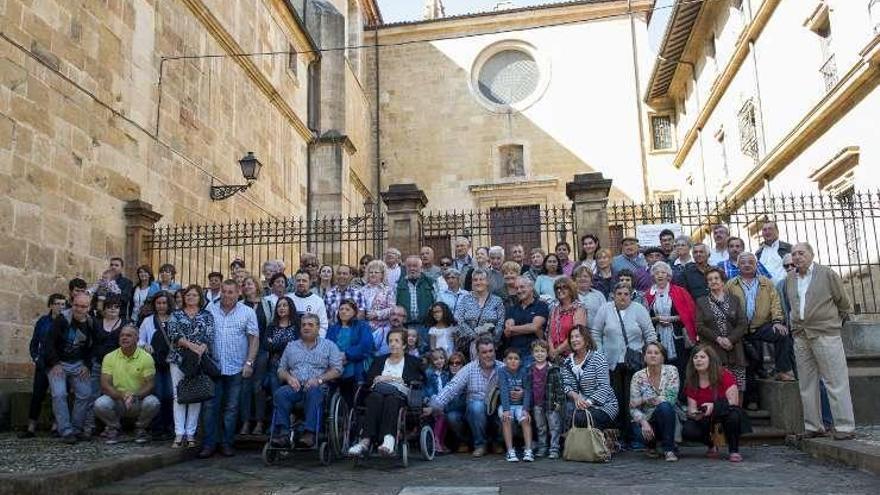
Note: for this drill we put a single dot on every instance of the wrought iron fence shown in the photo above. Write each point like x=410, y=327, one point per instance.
x=532, y=226
x=196, y=250
x=842, y=228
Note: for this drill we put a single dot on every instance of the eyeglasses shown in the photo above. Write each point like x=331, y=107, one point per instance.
x=455, y=363
x=788, y=265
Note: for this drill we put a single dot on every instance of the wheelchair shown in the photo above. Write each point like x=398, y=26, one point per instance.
x=412, y=427
x=329, y=437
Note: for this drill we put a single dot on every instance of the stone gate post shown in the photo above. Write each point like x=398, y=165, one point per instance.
x=404, y=203
x=140, y=219
x=589, y=193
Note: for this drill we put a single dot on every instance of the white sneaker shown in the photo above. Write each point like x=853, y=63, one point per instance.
x=511, y=456
x=357, y=449
x=387, y=446
x=527, y=456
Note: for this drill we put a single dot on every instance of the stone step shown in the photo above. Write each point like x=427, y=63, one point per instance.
x=760, y=417
x=764, y=435
x=865, y=360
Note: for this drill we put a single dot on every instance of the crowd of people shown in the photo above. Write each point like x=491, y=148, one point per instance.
x=663, y=344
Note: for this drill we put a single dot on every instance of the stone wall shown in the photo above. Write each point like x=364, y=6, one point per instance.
x=78, y=107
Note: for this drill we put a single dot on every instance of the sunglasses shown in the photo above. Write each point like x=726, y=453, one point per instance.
x=455, y=363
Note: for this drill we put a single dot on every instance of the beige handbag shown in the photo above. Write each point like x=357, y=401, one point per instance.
x=585, y=444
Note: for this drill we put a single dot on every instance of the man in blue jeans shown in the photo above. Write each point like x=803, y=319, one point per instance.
x=305, y=367
x=236, y=340
x=476, y=379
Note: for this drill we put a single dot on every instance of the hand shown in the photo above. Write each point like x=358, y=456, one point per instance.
x=653, y=401
x=506, y=416
x=56, y=370
x=199, y=349
x=294, y=383
x=516, y=394
x=380, y=379
x=344, y=360
x=148, y=348
x=84, y=373
x=647, y=431
x=708, y=407
x=526, y=417
x=128, y=401
x=582, y=404
x=780, y=329
x=247, y=371
x=312, y=383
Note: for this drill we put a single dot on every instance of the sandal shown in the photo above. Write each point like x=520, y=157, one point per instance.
x=735, y=457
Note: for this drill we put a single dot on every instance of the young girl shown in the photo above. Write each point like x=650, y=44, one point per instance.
x=441, y=326
x=437, y=377
x=412, y=342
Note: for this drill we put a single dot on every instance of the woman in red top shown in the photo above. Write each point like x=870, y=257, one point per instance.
x=713, y=398
x=567, y=313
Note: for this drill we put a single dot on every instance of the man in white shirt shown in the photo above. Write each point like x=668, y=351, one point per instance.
x=772, y=251
x=306, y=302
x=720, y=234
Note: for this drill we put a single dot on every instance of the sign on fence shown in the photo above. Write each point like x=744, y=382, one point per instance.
x=649, y=234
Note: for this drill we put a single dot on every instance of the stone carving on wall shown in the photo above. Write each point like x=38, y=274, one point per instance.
x=512, y=160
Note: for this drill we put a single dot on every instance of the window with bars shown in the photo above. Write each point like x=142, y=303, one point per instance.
x=849, y=210
x=661, y=132
x=668, y=211
x=748, y=129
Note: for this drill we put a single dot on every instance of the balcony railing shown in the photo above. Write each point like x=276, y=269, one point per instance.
x=829, y=73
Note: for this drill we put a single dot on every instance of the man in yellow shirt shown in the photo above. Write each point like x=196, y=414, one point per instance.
x=127, y=380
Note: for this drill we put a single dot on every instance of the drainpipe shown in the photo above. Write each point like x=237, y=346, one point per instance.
x=378, y=144
x=639, y=110
x=313, y=102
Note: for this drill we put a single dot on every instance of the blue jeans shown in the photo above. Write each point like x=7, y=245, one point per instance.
x=164, y=421
x=477, y=418
x=82, y=389
x=253, y=395
x=227, y=390
x=827, y=419
x=285, y=398
x=663, y=423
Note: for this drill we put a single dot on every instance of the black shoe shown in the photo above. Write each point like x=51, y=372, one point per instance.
x=206, y=453
x=69, y=439
x=27, y=434
x=227, y=451
x=281, y=442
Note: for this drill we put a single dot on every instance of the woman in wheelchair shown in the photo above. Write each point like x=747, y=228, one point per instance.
x=354, y=338
x=306, y=365
x=390, y=378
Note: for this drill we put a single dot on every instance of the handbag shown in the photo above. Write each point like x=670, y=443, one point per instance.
x=210, y=366
x=585, y=444
x=386, y=389
x=195, y=389
x=632, y=359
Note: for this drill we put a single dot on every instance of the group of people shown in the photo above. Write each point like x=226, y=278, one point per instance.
x=663, y=344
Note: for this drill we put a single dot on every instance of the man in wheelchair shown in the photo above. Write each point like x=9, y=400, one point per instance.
x=306, y=365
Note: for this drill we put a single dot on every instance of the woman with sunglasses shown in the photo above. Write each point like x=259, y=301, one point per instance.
x=454, y=412
x=567, y=313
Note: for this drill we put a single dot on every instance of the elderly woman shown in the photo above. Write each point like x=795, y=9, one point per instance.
x=550, y=271
x=565, y=315
x=722, y=324
x=479, y=312
x=536, y=266
x=591, y=298
x=389, y=378
x=354, y=338
x=510, y=270
x=622, y=325
x=585, y=380
x=681, y=250
x=379, y=298
x=603, y=275
x=653, y=393
x=712, y=398
x=673, y=313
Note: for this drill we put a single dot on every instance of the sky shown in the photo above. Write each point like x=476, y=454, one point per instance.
x=412, y=10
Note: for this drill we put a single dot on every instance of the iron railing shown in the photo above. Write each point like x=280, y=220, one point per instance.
x=196, y=250
x=532, y=226
x=842, y=228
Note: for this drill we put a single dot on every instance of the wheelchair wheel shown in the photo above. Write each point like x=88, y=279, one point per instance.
x=337, y=424
x=325, y=454
x=426, y=443
x=269, y=455
x=404, y=454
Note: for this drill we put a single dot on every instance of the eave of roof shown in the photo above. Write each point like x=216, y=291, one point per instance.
x=568, y=3
x=678, y=32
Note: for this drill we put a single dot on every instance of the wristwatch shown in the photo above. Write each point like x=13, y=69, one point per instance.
x=320, y=381
x=249, y=363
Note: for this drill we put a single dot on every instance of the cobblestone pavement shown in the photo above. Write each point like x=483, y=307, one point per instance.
x=44, y=453
x=775, y=469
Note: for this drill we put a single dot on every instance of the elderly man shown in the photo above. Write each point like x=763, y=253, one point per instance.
x=453, y=291
x=416, y=293
x=393, y=269
x=342, y=291
x=719, y=253
x=308, y=302
x=735, y=246
x=763, y=310
x=474, y=380
x=693, y=276
x=270, y=268
x=426, y=254
x=306, y=365
x=463, y=260
x=524, y=322
x=819, y=306
x=496, y=277
x=236, y=341
x=68, y=359
x=772, y=251
x=630, y=258
x=127, y=380
x=395, y=322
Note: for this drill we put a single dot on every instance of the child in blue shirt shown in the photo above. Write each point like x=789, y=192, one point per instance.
x=514, y=378
x=437, y=377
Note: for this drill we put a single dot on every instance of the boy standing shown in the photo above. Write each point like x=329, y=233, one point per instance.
x=547, y=399
x=515, y=389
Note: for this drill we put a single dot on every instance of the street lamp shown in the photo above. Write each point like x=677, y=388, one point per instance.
x=250, y=169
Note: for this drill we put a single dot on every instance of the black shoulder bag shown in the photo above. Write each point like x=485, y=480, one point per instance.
x=632, y=359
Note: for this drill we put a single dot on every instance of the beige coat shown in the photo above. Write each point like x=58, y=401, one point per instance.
x=826, y=304
x=767, y=305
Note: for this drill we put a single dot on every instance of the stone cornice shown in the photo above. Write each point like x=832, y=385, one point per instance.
x=231, y=46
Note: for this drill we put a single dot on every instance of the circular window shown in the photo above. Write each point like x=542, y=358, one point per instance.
x=508, y=77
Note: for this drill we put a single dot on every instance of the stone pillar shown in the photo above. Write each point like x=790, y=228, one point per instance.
x=140, y=219
x=404, y=203
x=589, y=193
